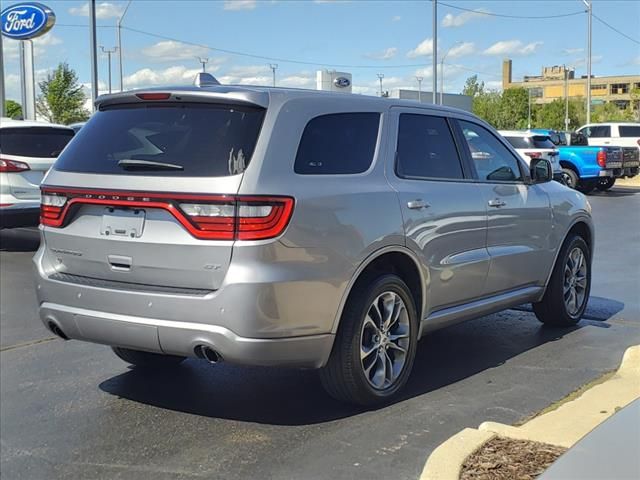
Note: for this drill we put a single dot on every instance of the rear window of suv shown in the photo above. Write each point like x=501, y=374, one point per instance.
x=629, y=130
x=538, y=141
x=40, y=142
x=339, y=143
x=166, y=139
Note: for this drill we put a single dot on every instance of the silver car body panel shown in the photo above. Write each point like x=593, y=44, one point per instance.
x=279, y=301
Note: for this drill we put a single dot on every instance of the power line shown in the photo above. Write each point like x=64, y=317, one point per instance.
x=528, y=17
x=615, y=29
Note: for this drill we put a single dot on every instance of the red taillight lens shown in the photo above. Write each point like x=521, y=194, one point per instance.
x=153, y=96
x=533, y=154
x=602, y=158
x=207, y=217
x=12, y=166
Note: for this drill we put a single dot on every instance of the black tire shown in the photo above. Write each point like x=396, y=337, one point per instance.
x=552, y=309
x=606, y=183
x=570, y=177
x=344, y=375
x=147, y=359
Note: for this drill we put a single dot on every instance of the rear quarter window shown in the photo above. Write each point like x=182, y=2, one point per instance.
x=629, y=130
x=339, y=143
x=518, y=142
x=40, y=142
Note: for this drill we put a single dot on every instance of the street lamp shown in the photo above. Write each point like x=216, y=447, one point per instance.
x=119, y=39
x=109, y=52
x=419, y=79
x=380, y=77
x=588, y=4
x=435, y=50
x=273, y=67
x=566, y=97
x=442, y=73
x=204, y=62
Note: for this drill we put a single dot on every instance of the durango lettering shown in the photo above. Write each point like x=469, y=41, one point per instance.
x=15, y=23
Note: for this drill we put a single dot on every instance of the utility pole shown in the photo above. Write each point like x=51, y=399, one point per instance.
x=119, y=38
x=589, y=14
x=273, y=67
x=3, y=109
x=204, y=62
x=380, y=77
x=435, y=50
x=442, y=73
x=419, y=79
x=566, y=98
x=529, y=104
x=94, y=53
x=109, y=52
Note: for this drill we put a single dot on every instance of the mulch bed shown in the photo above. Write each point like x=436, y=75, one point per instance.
x=507, y=459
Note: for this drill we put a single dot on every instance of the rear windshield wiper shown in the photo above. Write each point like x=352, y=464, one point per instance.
x=130, y=164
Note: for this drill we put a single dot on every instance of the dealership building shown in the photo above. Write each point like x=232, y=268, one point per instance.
x=550, y=85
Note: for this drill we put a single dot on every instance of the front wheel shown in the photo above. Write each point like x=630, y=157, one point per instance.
x=606, y=183
x=567, y=294
x=147, y=359
x=375, y=346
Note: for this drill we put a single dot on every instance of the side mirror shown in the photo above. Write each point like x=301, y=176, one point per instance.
x=541, y=171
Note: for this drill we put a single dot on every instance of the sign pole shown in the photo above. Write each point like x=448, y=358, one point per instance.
x=3, y=109
x=94, y=53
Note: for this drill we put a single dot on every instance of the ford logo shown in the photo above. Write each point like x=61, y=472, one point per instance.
x=26, y=20
x=342, y=82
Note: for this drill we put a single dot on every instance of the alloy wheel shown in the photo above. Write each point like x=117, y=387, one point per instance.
x=575, y=281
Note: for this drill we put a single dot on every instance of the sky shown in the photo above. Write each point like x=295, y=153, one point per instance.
x=241, y=38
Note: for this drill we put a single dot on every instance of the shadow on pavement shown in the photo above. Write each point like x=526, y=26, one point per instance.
x=615, y=192
x=296, y=397
x=19, y=240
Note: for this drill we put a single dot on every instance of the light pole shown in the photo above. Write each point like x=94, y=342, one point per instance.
x=435, y=50
x=273, y=67
x=119, y=38
x=94, y=53
x=419, y=79
x=204, y=62
x=109, y=52
x=588, y=5
x=566, y=97
x=442, y=73
x=529, y=105
x=380, y=77
x=3, y=110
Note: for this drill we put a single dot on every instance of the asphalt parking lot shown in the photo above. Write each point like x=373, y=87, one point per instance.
x=73, y=410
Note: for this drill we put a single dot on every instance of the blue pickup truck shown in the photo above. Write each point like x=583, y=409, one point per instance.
x=587, y=167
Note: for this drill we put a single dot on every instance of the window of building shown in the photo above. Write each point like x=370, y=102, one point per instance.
x=341, y=143
x=426, y=148
x=619, y=88
x=536, y=92
x=636, y=85
x=493, y=161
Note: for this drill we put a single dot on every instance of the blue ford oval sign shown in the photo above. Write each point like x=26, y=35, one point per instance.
x=26, y=20
x=342, y=82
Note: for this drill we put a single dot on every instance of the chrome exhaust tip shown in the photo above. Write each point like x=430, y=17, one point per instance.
x=207, y=353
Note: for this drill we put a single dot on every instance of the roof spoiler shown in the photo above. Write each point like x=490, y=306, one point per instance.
x=204, y=79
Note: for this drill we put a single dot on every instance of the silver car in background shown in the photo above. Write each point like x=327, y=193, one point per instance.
x=284, y=227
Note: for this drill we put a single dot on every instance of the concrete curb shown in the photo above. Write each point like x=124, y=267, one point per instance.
x=563, y=426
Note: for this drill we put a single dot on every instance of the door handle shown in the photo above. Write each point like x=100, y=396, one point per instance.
x=418, y=204
x=497, y=203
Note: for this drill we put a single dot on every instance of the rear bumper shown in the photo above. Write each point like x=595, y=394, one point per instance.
x=619, y=172
x=19, y=217
x=182, y=338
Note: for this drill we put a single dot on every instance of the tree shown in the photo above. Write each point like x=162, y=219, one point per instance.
x=13, y=109
x=609, y=112
x=472, y=87
x=62, y=98
x=487, y=106
x=513, y=112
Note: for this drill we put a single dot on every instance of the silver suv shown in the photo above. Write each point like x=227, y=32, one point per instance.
x=297, y=228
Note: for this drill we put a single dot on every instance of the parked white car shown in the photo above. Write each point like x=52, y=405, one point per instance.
x=616, y=134
x=534, y=145
x=27, y=151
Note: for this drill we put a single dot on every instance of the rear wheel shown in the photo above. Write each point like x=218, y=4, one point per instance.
x=606, y=183
x=567, y=294
x=375, y=346
x=571, y=178
x=147, y=359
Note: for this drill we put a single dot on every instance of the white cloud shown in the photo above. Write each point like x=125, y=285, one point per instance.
x=298, y=81
x=465, y=48
x=424, y=48
x=635, y=61
x=147, y=77
x=512, y=47
x=103, y=10
x=396, y=18
x=171, y=51
x=493, y=85
x=239, y=4
x=572, y=51
x=451, y=20
x=385, y=54
x=40, y=44
x=582, y=61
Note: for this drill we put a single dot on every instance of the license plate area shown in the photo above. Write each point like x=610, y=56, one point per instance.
x=122, y=222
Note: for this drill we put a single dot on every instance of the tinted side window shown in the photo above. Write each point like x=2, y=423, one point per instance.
x=426, y=148
x=518, y=142
x=339, y=143
x=629, y=131
x=541, y=141
x=599, y=131
x=42, y=142
x=493, y=161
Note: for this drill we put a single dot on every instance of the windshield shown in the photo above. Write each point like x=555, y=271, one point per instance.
x=196, y=140
x=41, y=142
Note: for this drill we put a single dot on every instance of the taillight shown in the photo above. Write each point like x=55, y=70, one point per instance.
x=207, y=217
x=533, y=154
x=12, y=166
x=602, y=158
